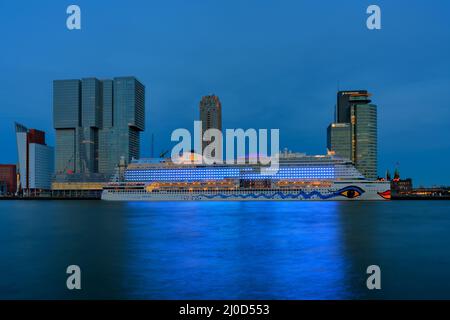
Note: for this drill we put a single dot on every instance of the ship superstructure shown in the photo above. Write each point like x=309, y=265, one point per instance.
x=299, y=177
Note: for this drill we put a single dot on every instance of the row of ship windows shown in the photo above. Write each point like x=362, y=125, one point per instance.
x=232, y=176
x=213, y=174
x=219, y=176
x=181, y=178
x=225, y=174
x=219, y=170
x=217, y=191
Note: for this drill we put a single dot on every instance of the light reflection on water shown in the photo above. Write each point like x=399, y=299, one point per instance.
x=237, y=250
x=224, y=250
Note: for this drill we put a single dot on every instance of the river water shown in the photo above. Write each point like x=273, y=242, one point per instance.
x=224, y=250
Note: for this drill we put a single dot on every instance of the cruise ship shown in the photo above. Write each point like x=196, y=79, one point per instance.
x=299, y=177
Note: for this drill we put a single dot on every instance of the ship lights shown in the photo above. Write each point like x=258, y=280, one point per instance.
x=214, y=173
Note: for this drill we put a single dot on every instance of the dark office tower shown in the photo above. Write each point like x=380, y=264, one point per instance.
x=210, y=115
x=129, y=118
x=107, y=145
x=67, y=121
x=91, y=123
x=97, y=123
x=354, y=135
x=344, y=101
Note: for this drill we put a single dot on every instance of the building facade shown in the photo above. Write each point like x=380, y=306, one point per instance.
x=402, y=186
x=345, y=99
x=35, y=160
x=353, y=135
x=8, y=179
x=211, y=118
x=97, y=122
x=339, y=137
x=364, y=139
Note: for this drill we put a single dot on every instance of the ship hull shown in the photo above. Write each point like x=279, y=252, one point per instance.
x=339, y=192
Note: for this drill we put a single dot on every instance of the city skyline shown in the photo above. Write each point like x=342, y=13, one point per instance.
x=225, y=158
x=267, y=76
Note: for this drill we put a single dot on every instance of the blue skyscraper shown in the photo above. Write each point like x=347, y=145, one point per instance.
x=97, y=123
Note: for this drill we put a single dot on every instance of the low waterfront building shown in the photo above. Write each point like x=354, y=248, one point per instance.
x=3, y=189
x=399, y=186
x=77, y=190
x=8, y=179
x=78, y=185
x=434, y=192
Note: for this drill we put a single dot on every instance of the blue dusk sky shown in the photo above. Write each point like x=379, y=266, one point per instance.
x=274, y=64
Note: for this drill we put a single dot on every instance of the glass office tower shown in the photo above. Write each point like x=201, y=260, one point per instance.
x=345, y=99
x=339, y=137
x=97, y=122
x=123, y=120
x=354, y=134
x=66, y=121
x=211, y=118
x=364, y=139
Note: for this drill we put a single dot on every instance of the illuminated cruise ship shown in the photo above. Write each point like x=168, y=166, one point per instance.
x=299, y=177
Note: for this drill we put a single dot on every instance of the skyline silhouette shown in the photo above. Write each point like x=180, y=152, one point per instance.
x=272, y=65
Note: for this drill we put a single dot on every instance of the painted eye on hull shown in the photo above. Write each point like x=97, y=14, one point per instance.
x=351, y=192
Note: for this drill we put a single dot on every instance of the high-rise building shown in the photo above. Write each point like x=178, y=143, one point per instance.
x=345, y=99
x=339, y=137
x=211, y=118
x=97, y=123
x=36, y=159
x=354, y=134
x=67, y=121
x=8, y=179
x=364, y=138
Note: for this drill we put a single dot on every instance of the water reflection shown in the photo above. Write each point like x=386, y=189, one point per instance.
x=233, y=250
x=409, y=240
x=224, y=250
x=40, y=239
